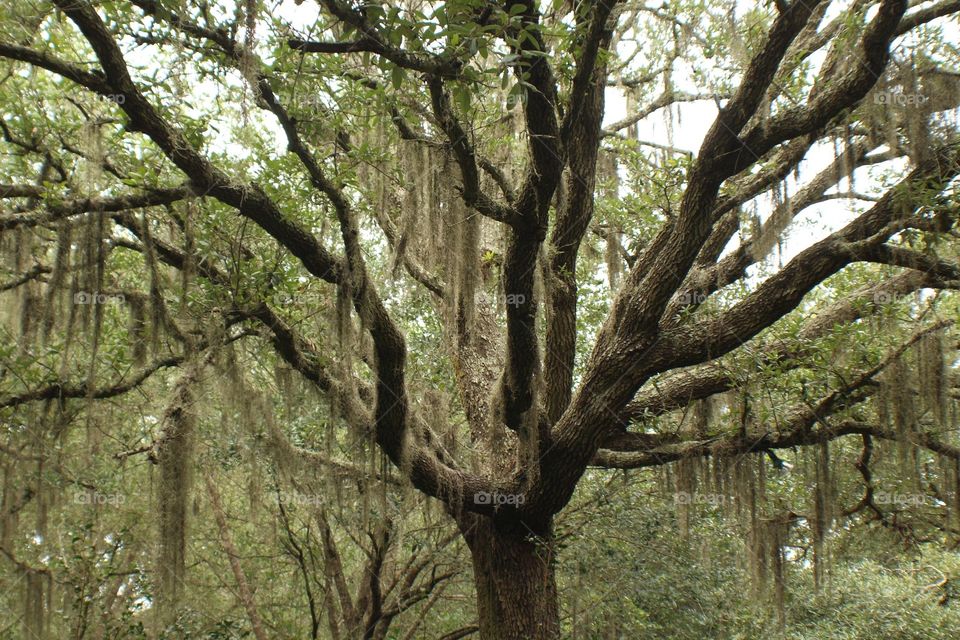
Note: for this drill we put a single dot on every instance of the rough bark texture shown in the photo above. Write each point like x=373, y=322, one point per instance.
x=515, y=581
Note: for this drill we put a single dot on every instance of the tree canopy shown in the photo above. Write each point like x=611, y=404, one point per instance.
x=515, y=320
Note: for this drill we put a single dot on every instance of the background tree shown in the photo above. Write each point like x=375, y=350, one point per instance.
x=394, y=293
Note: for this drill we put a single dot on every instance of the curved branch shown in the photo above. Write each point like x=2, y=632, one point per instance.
x=55, y=211
x=784, y=290
x=64, y=390
x=20, y=191
x=678, y=389
x=796, y=430
x=372, y=40
x=463, y=151
x=35, y=272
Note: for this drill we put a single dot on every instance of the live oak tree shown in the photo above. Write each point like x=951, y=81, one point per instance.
x=483, y=286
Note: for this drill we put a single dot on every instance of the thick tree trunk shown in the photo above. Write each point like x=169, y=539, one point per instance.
x=515, y=582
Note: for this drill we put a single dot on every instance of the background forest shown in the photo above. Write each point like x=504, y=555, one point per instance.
x=478, y=319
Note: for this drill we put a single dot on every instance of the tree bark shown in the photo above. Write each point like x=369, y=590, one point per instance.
x=515, y=581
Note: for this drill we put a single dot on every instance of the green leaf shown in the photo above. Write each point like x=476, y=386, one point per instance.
x=517, y=95
x=462, y=97
x=396, y=77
